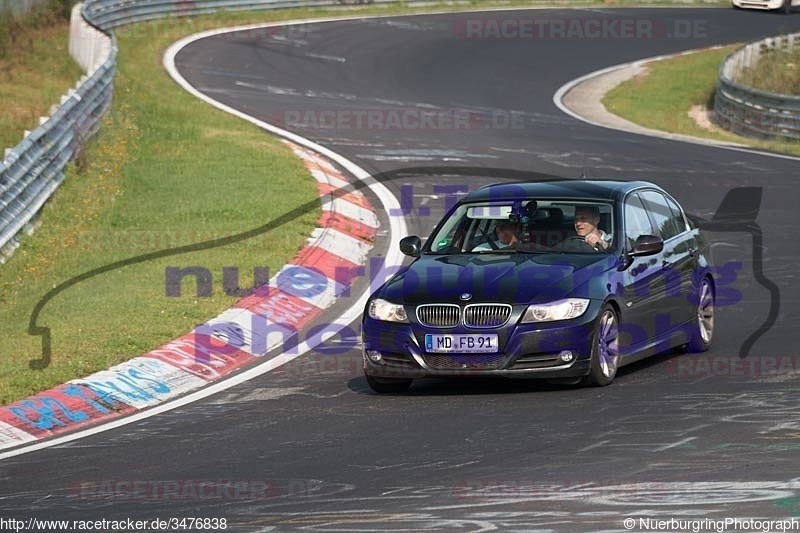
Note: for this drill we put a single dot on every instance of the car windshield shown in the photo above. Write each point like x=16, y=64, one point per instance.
x=526, y=226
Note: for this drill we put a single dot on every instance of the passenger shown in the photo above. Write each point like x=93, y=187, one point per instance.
x=506, y=235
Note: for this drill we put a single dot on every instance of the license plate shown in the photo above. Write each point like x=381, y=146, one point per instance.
x=467, y=343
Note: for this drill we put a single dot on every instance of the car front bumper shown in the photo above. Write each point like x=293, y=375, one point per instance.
x=527, y=350
x=758, y=4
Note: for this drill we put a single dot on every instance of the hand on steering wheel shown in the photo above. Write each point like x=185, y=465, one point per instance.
x=597, y=247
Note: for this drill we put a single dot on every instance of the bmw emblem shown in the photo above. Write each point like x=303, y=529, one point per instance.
x=466, y=296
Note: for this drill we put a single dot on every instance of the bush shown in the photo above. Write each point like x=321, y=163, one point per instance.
x=14, y=29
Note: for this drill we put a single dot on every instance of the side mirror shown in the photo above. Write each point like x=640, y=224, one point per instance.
x=411, y=245
x=647, y=245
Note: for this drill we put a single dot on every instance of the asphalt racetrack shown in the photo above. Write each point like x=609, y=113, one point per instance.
x=435, y=105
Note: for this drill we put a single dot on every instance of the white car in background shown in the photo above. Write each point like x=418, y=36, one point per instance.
x=783, y=5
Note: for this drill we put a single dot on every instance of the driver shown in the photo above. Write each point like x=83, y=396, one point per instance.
x=587, y=217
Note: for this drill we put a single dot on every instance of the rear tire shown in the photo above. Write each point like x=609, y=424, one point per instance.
x=388, y=385
x=787, y=7
x=605, y=349
x=703, y=326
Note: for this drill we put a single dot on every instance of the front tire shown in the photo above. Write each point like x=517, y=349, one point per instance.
x=787, y=7
x=388, y=385
x=703, y=326
x=605, y=349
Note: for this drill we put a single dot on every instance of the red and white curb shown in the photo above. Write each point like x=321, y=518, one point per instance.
x=256, y=325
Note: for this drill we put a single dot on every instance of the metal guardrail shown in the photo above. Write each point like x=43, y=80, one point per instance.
x=108, y=14
x=753, y=112
x=31, y=171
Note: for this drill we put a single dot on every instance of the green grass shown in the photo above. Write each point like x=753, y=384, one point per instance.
x=662, y=97
x=165, y=170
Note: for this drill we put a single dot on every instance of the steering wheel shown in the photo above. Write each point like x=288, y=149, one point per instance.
x=582, y=240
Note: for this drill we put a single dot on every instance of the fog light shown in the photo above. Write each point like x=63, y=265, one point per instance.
x=374, y=356
x=566, y=356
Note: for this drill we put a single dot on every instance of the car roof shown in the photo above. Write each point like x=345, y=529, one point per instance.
x=561, y=189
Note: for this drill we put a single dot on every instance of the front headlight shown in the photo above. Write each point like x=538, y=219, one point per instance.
x=560, y=310
x=387, y=311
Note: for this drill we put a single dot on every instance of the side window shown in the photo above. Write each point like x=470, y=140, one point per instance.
x=636, y=220
x=670, y=223
x=677, y=214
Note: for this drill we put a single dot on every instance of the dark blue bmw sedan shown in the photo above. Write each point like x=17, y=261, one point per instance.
x=565, y=280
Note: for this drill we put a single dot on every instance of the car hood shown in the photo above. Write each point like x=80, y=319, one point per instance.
x=507, y=278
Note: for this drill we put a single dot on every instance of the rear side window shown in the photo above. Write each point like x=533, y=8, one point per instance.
x=636, y=220
x=667, y=218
